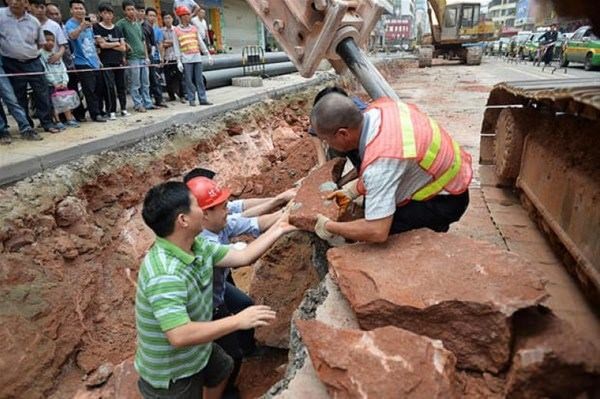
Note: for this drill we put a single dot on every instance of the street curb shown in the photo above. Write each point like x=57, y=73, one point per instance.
x=21, y=169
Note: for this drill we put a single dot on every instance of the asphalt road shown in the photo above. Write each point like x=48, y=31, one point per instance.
x=526, y=71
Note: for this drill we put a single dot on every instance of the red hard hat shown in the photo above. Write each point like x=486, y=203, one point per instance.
x=182, y=10
x=207, y=193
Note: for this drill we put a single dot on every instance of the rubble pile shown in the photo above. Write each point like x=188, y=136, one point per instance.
x=430, y=315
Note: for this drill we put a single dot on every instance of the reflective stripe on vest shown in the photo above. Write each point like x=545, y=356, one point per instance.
x=409, y=147
x=188, y=40
x=438, y=185
x=407, y=133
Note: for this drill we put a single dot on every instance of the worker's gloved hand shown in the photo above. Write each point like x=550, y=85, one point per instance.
x=333, y=239
x=345, y=196
x=180, y=66
x=210, y=60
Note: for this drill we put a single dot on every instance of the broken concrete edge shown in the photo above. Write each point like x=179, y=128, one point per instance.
x=24, y=168
x=298, y=352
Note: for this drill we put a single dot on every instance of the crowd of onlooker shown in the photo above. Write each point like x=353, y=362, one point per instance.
x=86, y=64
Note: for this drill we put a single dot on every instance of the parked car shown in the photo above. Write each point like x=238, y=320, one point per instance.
x=582, y=47
x=517, y=43
x=500, y=46
x=531, y=45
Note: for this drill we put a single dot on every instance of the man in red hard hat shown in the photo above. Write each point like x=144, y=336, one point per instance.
x=175, y=355
x=220, y=227
x=248, y=206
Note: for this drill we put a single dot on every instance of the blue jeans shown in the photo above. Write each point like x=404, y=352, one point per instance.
x=139, y=84
x=7, y=95
x=193, y=73
x=38, y=85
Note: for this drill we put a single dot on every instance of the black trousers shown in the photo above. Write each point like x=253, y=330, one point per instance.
x=174, y=80
x=113, y=88
x=548, y=55
x=155, y=87
x=38, y=85
x=238, y=343
x=436, y=214
x=3, y=114
x=79, y=112
x=91, y=87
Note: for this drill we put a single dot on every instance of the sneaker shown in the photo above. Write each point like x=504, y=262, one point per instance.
x=72, y=123
x=140, y=109
x=192, y=103
x=32, y=135
x=125, y=113
x=112, y=116
x=162, y=105
x=60, y=126
x=5, y=138
x=150, y=108
x=205, y=103
x=99, y=118
x=182, y=100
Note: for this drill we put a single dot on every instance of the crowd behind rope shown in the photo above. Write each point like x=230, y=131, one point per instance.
x=81, y=68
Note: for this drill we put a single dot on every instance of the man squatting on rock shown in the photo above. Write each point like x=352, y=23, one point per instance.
x=412, y=173
x=175, y=354
x=224, y=220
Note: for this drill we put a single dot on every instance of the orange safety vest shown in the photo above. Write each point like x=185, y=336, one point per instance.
x=188, y=39
x=407, y=133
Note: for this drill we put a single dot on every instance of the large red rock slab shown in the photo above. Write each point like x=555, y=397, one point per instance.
x=444, y=286
x=551, y=359
x=121, y=385
x=312, y=195
x=386, y=362
x=281, y=277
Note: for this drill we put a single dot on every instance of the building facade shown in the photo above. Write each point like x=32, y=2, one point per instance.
x=232, y=22
x=421, y=19
x=398, y=30
x=502, y=12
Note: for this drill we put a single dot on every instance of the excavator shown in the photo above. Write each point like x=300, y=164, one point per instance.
x=456, y=34
x=542, y=136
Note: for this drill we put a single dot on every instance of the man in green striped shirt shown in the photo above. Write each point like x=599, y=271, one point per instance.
x=175, y=355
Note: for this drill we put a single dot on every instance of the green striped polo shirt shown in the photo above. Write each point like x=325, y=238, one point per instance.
x=173, y=289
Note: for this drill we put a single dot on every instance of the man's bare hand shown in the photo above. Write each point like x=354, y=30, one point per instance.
x=54, y=58
x=287, y=195
x=255, y=316
x=284, y=223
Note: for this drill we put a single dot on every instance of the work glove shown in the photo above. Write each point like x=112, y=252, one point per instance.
x=180, y=66
x=333, y=239
x=210, y=60
x=345, y=196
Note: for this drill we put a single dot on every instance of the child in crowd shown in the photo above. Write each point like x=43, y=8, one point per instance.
x=58, y=78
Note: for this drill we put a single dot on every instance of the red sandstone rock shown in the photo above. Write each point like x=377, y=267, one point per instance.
x=100, y=375
x=281, y=276
x=70, y=211
x=472, y=385
x=444, y=286
x=121, y=385
x=387, y=362
x=311, y=198
x=19, y=239
x=551, y=360
x=235, y=130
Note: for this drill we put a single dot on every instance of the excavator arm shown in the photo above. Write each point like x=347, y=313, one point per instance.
x=438, y=7
x=312, y=30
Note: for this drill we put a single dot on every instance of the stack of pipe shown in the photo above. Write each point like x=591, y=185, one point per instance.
x=230, y=66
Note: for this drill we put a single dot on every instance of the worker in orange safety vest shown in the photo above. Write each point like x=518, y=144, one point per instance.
x=412, y=173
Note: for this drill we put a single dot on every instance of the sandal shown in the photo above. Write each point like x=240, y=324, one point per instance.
x=52, y=129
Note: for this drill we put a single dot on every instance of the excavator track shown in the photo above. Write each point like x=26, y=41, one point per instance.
x=542, y=138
